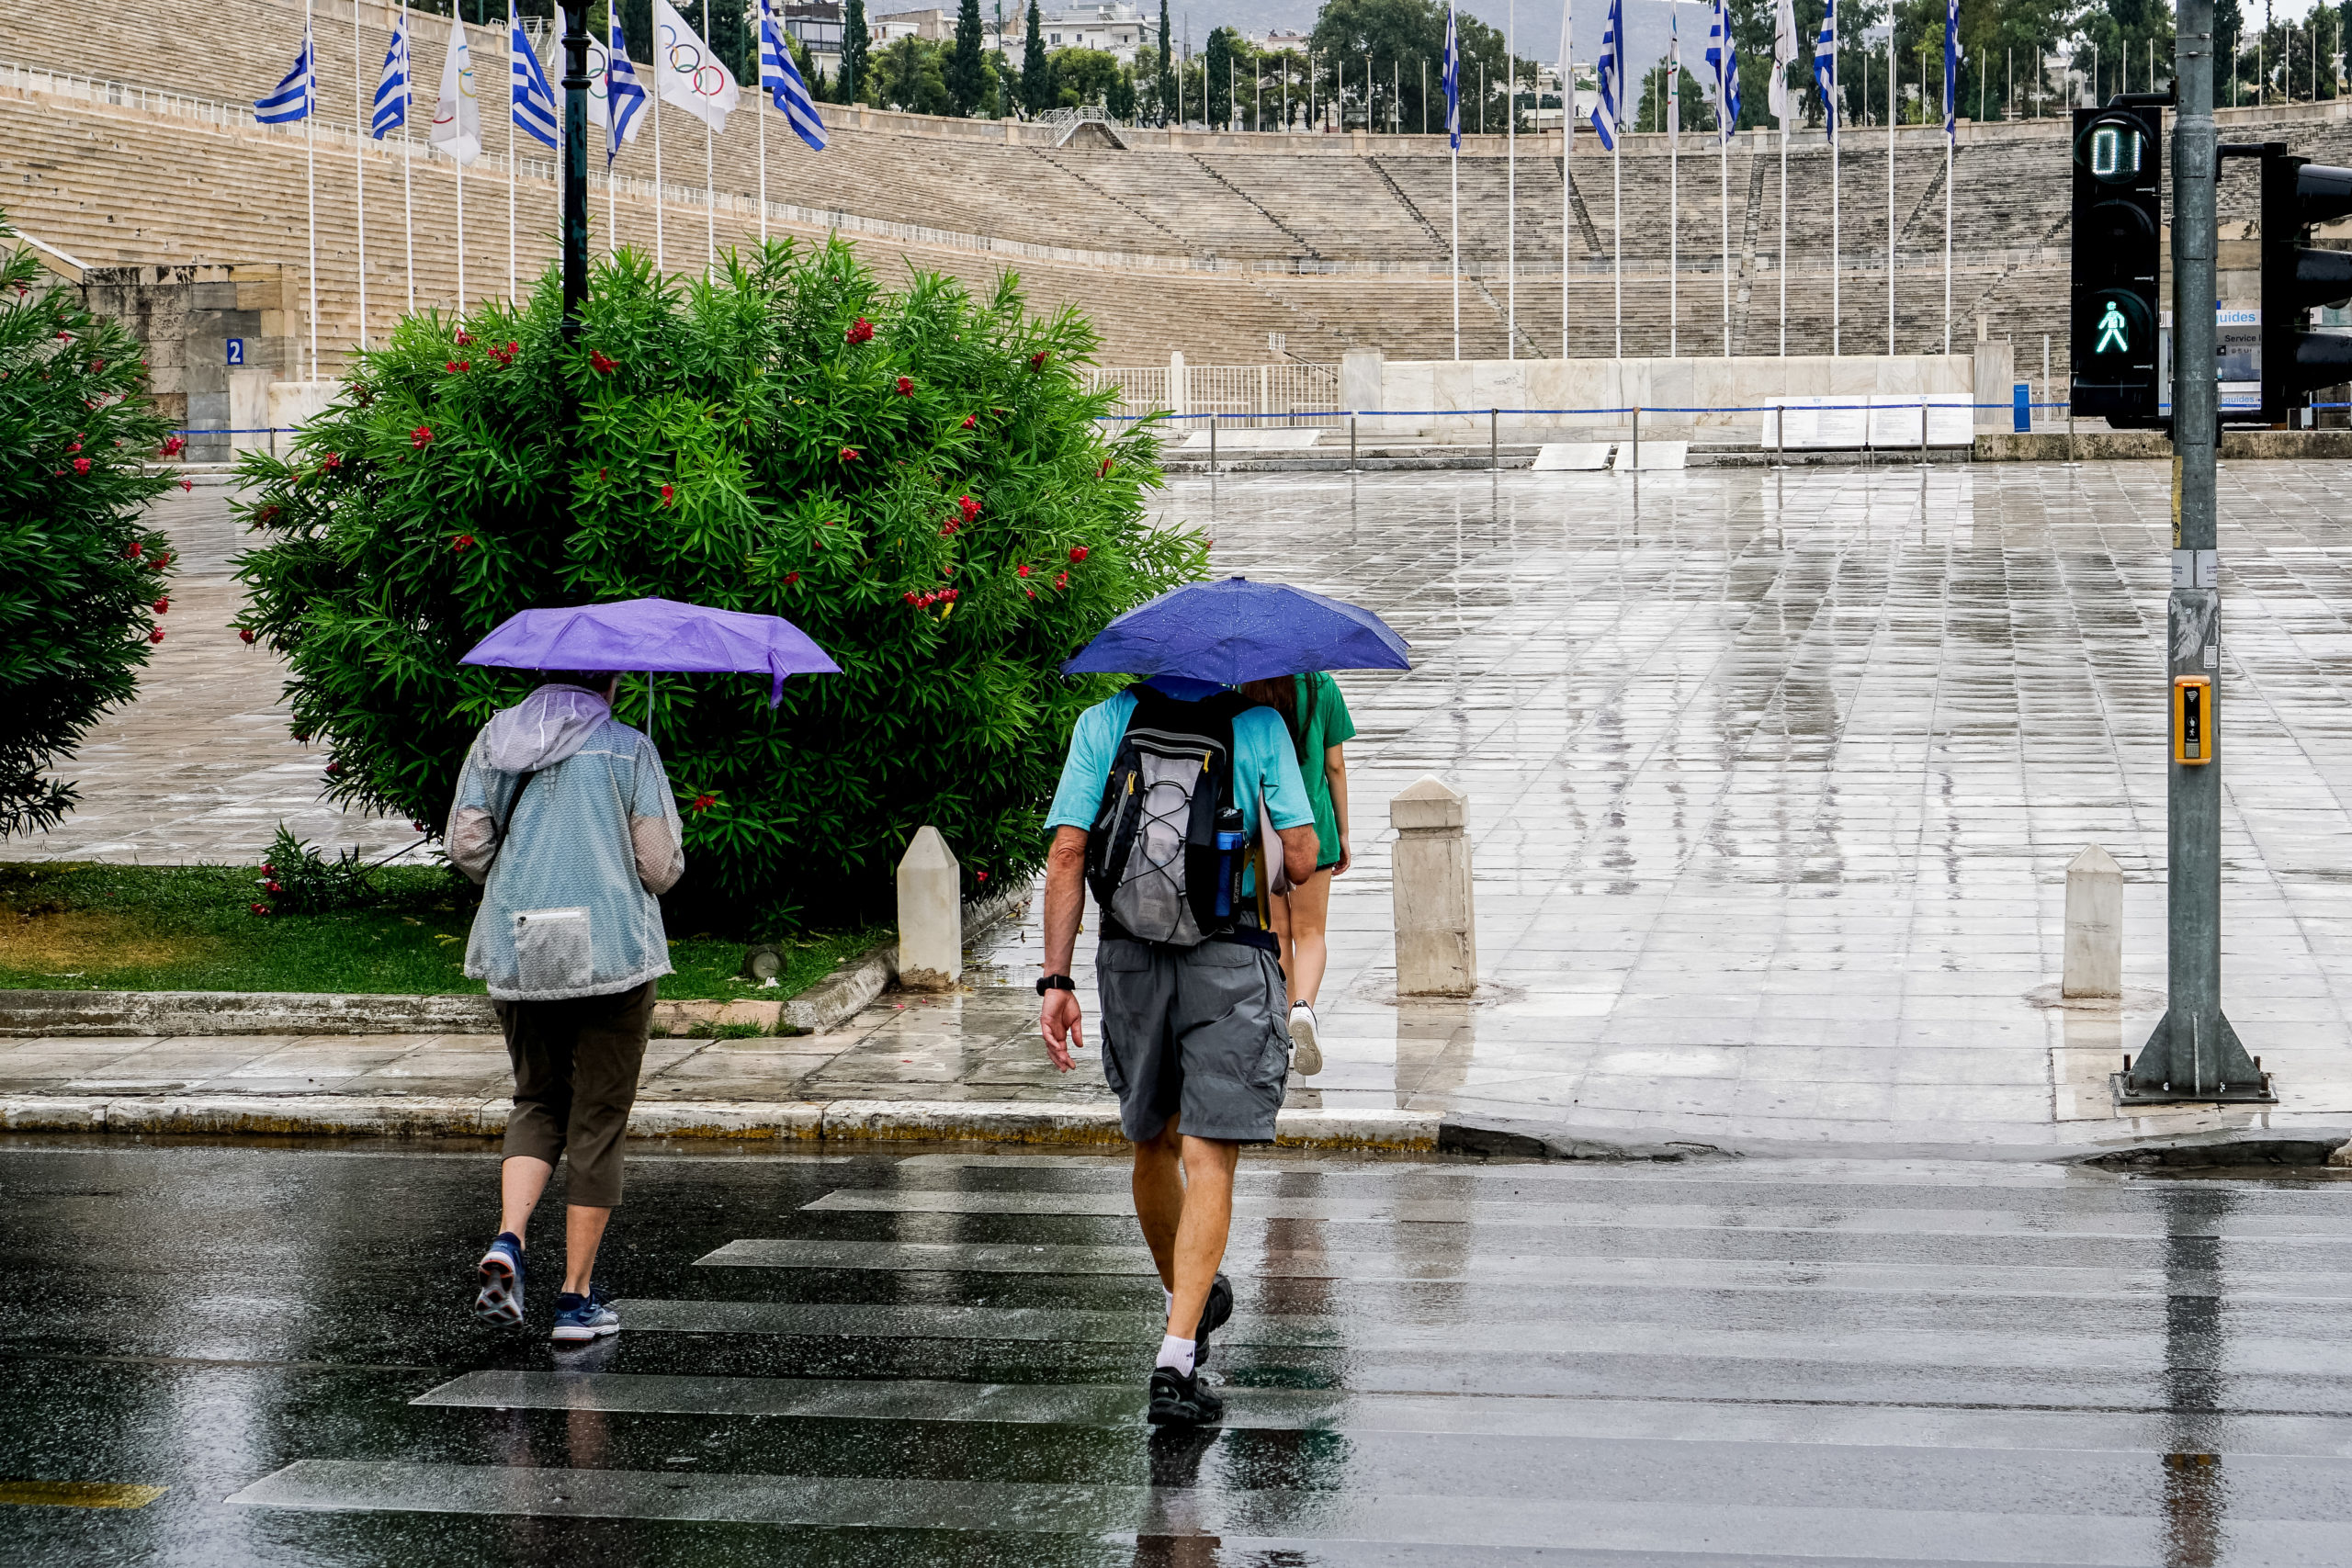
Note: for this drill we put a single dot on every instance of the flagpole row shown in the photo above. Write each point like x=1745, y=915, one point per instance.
x=310, y=156
x=512, y=29
x=408, y=163
x=1510, y=177
x=1890, y=187
x=359, y=159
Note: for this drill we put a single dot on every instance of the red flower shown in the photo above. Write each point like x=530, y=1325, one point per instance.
x=513, y=348
x=462, y=542
x=598, y=363
x=331, y=462
x=271, y=887
x=64, y=337
x=163, y=607
x=97, y=365
x=1037, y=360
x=971, y=508
x=705, y=802
x=668, y=494
x=948, y=528
x=952, y=594
x=421, y=437
x=187, y=484
x=1062, y=580
x=81, y=465
x=420, y=827
x=160, y=562
x=982, y=876
x=970, y=420
x=1030, y=592
x=245, y=635
x=135, y=551
x=156, y=636
x=465, y=339
x=849, y=454
x=450, y=366
x=261, y=908
x=862, y=331
x=905, y=388
x=172, y=447
x=268, y=869
x=790, y=578
x=334, y=768
x=1078, y=552
x=1105, y=471
x=1022, y=570
x=74, y=444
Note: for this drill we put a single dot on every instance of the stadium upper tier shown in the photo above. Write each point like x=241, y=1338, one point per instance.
x=1205, y=246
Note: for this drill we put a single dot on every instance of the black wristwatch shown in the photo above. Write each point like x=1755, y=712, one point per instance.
x=1055, y=983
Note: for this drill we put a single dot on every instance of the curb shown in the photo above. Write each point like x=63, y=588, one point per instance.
x=830, y=1122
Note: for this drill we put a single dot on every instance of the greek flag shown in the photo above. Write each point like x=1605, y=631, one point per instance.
x=780, y=79
x=534, y=109
x=1722, y=64
x=1611, y=72
x=1951, y=66
x=392, y=87
x=624, y=99
x=1825, y=67
x=1451, y=79
x=292, y=101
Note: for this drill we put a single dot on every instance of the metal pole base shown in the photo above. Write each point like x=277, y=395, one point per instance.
x=2176, y=1067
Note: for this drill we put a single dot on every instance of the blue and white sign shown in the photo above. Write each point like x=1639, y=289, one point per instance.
x=236, y=351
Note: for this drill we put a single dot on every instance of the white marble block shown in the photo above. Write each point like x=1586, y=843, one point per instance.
x=931, y=915
x=1437, y=938
x=2094, y=925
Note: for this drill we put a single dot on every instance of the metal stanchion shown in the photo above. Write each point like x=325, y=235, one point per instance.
x=1923, y=434
x=1637, y=438
x=1212, y=443
x=1781, y=436
x=1494, y=460
x=1352, y=442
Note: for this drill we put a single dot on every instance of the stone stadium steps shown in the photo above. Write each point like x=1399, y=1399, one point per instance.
x=1341, y=206
x=1178, y=205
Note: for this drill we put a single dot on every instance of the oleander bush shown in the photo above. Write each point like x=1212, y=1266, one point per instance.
x=915, y=479
x=83, y=579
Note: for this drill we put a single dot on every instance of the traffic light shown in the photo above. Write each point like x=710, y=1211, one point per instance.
x=2119, y=260
x=2296, y=194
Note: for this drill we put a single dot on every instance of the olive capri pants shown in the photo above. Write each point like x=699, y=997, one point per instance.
x=576, y=1062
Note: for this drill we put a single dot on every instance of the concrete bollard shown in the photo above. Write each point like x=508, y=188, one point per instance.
x=1436, y=937
x=2094, y=925
x=931, y=915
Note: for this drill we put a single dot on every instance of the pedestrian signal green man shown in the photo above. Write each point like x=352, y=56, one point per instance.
x=2110, y=330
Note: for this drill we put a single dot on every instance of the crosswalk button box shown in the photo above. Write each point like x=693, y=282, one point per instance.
x=2192, y=719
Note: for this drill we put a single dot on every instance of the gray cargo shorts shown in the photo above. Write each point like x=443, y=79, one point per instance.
x=1201, y=1031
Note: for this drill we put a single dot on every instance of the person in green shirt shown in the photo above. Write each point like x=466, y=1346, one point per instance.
x=1318, y=717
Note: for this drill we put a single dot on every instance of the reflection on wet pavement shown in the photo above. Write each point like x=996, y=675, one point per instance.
x=1704, y=1363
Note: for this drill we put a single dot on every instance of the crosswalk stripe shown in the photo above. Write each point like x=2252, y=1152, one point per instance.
x=1546, y=1209
x=1271, y=1517
x=1846, y=1176
x=1435, y=1264
x=1563, y=1331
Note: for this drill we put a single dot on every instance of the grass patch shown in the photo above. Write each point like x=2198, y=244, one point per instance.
x=90, y=927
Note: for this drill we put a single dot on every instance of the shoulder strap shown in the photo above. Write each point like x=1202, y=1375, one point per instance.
x=512, y=802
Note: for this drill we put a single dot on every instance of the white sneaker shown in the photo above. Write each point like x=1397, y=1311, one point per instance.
x=1306, y=1052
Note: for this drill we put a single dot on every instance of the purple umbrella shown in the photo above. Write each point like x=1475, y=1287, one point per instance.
x=654, y=633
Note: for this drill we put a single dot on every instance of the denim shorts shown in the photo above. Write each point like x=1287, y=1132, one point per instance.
x=1198, y=1033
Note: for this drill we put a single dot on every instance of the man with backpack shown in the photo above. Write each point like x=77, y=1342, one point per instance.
x=1157, y=812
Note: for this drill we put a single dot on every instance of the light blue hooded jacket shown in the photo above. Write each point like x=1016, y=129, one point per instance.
x=565, y=816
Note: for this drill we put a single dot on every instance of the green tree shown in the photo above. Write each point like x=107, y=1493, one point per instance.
x=1217, y=65
x=1037, y=73
x=1084, y=76
x=1119, y=97
x=1649, y=104
x=1406, y=34
x=965, y=78
x=916, y=479
x=855, y=50
x=911, y=74
x=84, y=580
x=1166, y=81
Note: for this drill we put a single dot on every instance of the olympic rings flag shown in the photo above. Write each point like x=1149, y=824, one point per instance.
x=457, y=118
x=687, y=72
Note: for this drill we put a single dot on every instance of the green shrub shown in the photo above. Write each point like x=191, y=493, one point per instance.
x=82, y=579
x=786, y=439
x=297, y=880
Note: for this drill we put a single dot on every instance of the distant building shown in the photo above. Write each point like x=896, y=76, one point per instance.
x=1117, y=29
x=818, y=24
x=935, y=25
x=1278, y=38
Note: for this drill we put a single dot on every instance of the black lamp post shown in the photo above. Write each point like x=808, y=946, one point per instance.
x=575, y=165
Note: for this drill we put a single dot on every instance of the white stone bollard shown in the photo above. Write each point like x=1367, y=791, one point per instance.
x=1436, y=937
x=931, y=915
x=2094, y=925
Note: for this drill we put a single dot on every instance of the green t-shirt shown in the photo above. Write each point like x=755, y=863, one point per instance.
x=1323, y=722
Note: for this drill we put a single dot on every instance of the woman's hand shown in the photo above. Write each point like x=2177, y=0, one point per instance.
x=1347, y=859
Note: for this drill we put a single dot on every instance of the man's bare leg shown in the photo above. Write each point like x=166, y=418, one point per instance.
x=1158, y=1187
x=583, y=1230
x=521, y=1180
x=1201, y=1236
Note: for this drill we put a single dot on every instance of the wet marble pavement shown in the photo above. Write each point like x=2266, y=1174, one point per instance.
x=1772, y=781
x=939, y=1359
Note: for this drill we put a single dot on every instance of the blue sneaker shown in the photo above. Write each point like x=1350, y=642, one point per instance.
x=580, y=1319
x=500, y=1300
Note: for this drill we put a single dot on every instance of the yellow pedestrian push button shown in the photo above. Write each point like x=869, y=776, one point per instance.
x=2192, y=719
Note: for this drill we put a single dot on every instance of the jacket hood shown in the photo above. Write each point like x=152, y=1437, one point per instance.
x=542, y=729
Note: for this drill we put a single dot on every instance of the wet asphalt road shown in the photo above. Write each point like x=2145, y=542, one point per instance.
x=937, y=1358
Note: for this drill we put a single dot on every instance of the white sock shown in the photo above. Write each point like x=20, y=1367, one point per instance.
x=1167, y=1307
x=1176, y=1353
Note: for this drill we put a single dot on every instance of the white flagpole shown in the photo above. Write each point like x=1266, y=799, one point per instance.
x=513, y=165
x=1785, y=239
x=1567, y=182
x=764, y=122
x=1727, y=70
x=1511, y=180
x=1890, y=118
x=1454, y=178
x=359, y=159
x=1947, y=139
x=408, y=156
x=1673, y=105
x=709, y=197
x=1836, y=308
x=311, y=153
x=1617, y=216
x=660, y=254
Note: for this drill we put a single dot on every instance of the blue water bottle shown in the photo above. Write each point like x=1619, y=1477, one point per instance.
x=1229, y=841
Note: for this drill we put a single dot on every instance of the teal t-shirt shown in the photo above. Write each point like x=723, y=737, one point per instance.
x=1323, y=722
x=1263, y=760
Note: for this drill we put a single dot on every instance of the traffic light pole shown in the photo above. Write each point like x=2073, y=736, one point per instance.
x=2194, y=1054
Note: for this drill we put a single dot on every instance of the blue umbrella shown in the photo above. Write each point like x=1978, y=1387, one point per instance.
x=1238, y=630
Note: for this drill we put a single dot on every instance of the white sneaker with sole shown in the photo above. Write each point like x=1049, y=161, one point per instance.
x=1306, y=1052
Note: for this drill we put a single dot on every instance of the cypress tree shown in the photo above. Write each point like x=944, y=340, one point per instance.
x=1168, y=71
x=1215, y=69
x=964, y=75
x=853, y=50
x=1037, y=72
